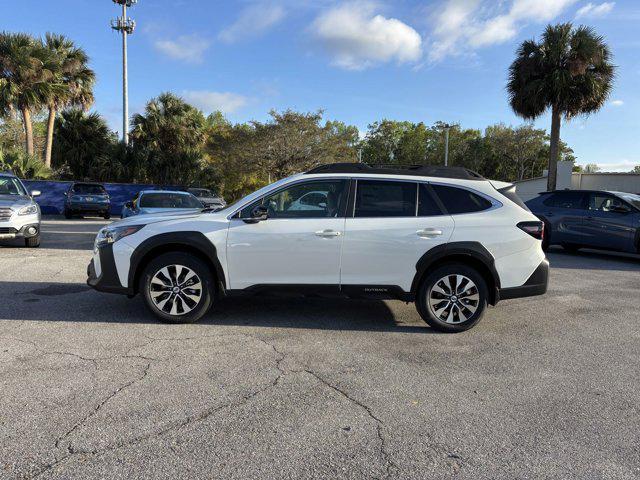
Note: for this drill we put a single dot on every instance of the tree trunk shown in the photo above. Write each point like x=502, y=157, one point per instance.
x=28, y=129
x=50, y=124
x=554, y=148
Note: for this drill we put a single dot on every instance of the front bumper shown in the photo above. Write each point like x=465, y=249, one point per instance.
x=536, y=284
x=8, y=231
x=104, y=278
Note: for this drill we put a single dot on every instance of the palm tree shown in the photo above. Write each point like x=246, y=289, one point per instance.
x=26, y=78
x=568, y=71
x=24, y=165
x=75, y=76
x=82, y=140
x=170, y=135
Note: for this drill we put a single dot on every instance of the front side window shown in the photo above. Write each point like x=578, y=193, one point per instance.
x=11, y=186
x=385, y=199
x=323, y=199
x=604, y=203
x=459, y=200
x=574, y=200
x=169, y=200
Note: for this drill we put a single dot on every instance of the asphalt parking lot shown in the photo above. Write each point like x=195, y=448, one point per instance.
x=91, y=386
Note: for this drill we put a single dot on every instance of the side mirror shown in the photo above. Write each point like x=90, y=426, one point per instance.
x=258, y=214
x=129, y=205
x=36, y=193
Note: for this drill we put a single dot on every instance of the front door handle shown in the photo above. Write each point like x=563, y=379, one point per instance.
x=429, y=233
x=327, y=233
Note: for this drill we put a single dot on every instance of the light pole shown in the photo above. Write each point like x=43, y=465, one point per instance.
x=126, y=26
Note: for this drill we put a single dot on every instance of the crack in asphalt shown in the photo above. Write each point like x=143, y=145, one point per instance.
x=389, y=463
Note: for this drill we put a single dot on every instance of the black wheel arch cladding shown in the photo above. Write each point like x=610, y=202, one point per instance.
x=189, y=242
x=473, y=252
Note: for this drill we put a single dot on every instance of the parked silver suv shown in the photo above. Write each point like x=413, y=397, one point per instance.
x=19, y=213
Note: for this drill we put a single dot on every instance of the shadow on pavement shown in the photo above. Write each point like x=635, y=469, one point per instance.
x=75, y=302
x=593, y=260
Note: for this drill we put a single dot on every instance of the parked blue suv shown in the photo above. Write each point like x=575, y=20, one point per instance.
x=589, y=218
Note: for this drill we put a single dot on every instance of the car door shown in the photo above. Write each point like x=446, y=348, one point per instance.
x=608, y=223
x=564, y=211
x=293, y=246
x=392, y=224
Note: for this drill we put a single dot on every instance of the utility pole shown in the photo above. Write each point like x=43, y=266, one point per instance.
x=126, y=26
x=446, y=128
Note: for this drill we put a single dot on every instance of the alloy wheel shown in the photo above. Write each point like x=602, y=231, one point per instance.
x=175, y=290
x=454, y=299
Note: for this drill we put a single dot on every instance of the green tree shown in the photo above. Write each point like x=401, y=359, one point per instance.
x=170, y=136
x=521, y=150
x=381, y=143
x=24, y=165
x=26, y=78
x=591, y=168
x=568, y=71
x=636, y=169
x=76, y=78
x=85, y=145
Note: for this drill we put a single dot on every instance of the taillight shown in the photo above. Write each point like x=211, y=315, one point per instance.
x=535, y=229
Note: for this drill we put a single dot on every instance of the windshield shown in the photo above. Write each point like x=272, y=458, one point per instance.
x=202, y=192
x=632, y=199
x=88, y=189
x=11, y=186
x=169, y=200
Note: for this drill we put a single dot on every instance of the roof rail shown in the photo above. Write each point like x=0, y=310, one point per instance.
x=414, y=170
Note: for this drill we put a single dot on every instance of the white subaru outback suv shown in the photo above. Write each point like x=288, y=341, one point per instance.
x=446, y=238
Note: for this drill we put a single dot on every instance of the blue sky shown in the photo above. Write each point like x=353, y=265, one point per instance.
x=360, y=61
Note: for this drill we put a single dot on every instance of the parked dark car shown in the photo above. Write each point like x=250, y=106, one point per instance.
x=208, y=198
x=87, y=199
x=589, y=218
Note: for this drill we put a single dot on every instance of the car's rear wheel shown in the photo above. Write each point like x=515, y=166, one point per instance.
x=178, y=287
x=452, y=298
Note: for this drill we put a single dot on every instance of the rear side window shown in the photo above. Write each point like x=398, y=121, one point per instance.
x=385, y=199
x=427, y=206
x=574, y=200
x=458, y=200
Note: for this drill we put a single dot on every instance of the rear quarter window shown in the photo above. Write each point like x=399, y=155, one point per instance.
x=459, y=200
x=575, y=200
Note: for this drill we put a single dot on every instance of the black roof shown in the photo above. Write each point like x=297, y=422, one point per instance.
x=416, y=170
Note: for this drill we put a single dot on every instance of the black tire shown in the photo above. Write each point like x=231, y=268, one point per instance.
x=571, y=247
x=67, y=215
x=107, y=216
x=207, y=291
x=32, y=242
x=458, y=325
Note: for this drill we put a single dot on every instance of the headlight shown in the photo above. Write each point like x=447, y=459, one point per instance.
x=113, y=234
x=28, y=210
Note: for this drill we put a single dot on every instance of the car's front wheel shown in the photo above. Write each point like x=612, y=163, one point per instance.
x=452, y=298
x=178, y=287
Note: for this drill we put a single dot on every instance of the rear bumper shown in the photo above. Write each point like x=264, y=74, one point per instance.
x=101, y=208
x=107, y=281
x=535, y=285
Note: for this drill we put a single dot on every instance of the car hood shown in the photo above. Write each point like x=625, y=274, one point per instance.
x=14, y=201
x=211, y=200
x=146, y=219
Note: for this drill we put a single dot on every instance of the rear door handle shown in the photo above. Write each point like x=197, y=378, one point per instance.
x=429, y=233
x=327, y=233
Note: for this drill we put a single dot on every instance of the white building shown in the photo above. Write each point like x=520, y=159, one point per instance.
x=568, y=180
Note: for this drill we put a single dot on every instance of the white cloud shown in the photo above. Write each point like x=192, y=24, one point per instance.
x=591, y=10
x=207, y=101
x=617, y=103
x=462, y=26
x=187, y=48
x=357, y=38
x=252, y=21
x=624, y=165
